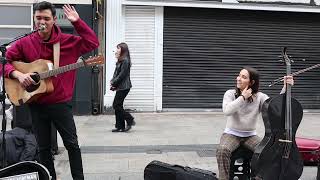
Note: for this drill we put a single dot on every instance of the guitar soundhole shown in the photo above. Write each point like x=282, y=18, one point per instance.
x=33, y=87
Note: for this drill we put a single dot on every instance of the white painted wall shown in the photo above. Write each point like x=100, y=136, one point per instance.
x=158, y=64
x=114, y=35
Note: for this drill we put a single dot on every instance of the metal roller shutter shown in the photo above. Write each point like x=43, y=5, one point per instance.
x=140, y=36
x=204, y=50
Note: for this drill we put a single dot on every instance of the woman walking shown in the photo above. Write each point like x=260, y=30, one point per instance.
x=121, y=83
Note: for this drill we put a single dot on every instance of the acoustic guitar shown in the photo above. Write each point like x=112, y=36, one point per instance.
x=42, y=70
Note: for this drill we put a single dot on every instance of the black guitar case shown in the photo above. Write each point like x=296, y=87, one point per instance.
x=24, y=168
x=157, y=170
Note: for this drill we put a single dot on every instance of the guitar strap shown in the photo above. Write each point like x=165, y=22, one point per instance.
x=56, y=54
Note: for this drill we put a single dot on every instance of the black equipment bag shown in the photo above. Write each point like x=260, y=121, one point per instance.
x=21, y=145
x=157, y=170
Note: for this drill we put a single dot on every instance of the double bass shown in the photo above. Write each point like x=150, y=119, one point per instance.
x=277, y=156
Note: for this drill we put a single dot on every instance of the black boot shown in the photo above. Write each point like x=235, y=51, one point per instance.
x=127, y=128
x=118, y=130
x=131, y=122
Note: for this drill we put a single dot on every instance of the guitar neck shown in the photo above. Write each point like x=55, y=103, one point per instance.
x=60, y=70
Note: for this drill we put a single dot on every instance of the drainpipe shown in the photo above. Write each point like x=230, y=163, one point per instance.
x=97, y=71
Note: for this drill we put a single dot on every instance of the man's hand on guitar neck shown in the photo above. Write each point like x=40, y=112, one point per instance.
x=24, y=79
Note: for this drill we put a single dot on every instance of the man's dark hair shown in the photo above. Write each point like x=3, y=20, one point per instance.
x=43, y=6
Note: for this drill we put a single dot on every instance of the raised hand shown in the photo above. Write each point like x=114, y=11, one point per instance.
x=70, y=13
x=246, y=93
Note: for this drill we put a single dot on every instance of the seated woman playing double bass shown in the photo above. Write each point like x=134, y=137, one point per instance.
x=242, y=106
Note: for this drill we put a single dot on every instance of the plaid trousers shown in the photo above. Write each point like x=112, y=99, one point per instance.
x=229, y=143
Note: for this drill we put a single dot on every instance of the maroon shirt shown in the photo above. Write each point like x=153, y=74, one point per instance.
x=32, y=47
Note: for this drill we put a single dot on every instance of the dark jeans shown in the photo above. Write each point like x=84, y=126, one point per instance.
x=22, y=117
x=61, y=116
x=54, y=139
x=121, y=114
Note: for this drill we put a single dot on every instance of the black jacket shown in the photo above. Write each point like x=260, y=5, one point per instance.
x=121, y=76
x=21, y=145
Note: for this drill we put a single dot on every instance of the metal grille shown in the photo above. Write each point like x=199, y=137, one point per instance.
x=204, y=50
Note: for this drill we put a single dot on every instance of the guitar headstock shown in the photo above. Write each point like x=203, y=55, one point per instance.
x=95, y=60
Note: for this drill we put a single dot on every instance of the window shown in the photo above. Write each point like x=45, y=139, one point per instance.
x=15, y=20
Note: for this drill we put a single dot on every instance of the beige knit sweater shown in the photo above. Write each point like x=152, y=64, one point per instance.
x=242, y=115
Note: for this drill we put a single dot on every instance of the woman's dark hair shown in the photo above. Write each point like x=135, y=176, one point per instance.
x=43, y=5
x=125, y=53
x=254, y=80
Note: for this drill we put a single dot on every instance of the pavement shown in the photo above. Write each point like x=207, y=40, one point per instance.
x=184, y=138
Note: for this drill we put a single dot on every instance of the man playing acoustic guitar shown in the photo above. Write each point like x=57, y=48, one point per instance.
x=55, y=106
